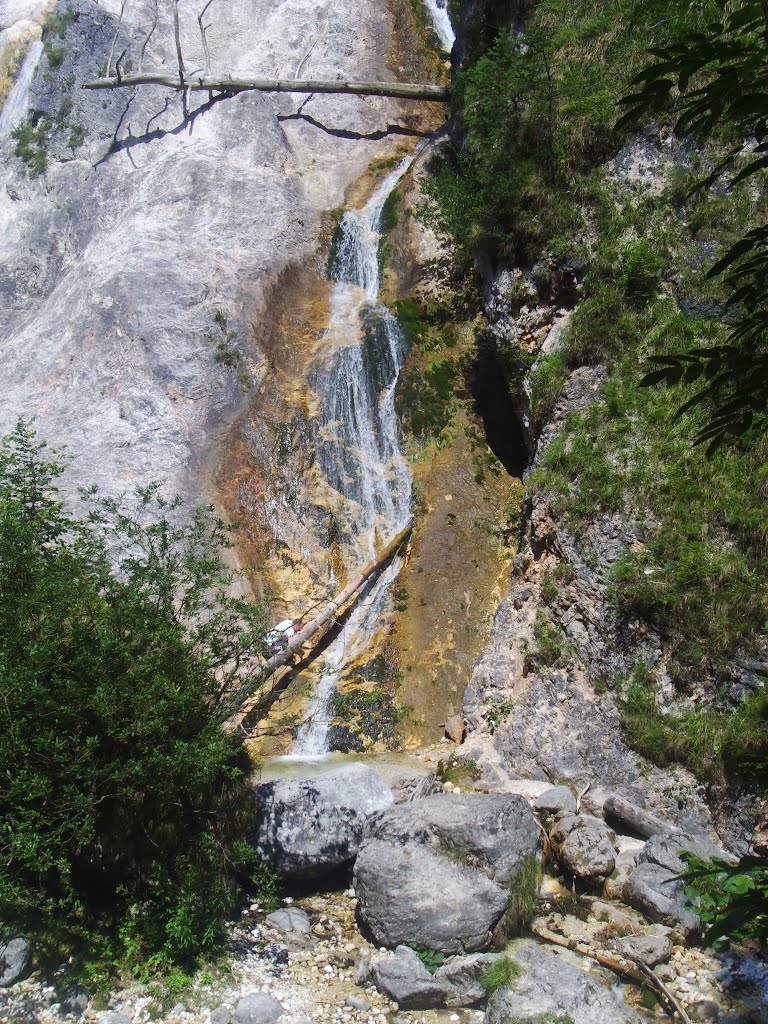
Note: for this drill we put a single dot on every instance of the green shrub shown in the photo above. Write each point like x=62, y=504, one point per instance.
x=122, y=818
x=500, y=974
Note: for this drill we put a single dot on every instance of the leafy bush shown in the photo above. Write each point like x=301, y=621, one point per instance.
x=123, y=802
x=732, y=899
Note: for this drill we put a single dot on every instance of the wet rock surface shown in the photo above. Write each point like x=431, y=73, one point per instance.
x=306, y=827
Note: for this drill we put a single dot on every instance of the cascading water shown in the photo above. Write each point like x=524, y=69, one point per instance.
x=356, y=436
x=15, y=106
x=441, y=22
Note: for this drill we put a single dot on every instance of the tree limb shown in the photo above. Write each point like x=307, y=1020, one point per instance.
x=231, y=86
x=203, y=30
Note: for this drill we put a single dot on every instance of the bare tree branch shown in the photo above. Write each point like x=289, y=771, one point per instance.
x=114, y=38
x=177, y=37
x=203, y=30
x=149, y=36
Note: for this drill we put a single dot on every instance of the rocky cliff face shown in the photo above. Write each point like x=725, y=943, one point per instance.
x=140, y=230
x=537, y=704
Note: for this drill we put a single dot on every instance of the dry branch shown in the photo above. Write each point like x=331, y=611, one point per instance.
x=632, y=968
x=231, y=86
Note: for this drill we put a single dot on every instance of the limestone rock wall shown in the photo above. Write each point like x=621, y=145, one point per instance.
x=133, y=269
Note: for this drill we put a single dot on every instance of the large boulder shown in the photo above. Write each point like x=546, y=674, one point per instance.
x=436, y=873
x=14, y=959
x=549, y=987
x=654, y=887
x=307, y=827
x=585, y=847
x=403, y=977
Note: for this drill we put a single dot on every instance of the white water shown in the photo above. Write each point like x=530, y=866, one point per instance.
x=441, y=22
x=17, y=103
x=357, y=436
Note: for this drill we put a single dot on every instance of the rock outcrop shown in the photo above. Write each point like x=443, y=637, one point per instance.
x=435, y=873
x=307, y=827
x=549, y=986
x=134, y=271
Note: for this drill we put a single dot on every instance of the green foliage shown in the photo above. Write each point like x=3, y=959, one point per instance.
x=500, y=974
x=524, y=900
x=714, y=745
x=431, y=958
x=550, y=648
x=731, y=899
x=31, y=137
x=537, y=113
x=124, y=802
x=719, y=74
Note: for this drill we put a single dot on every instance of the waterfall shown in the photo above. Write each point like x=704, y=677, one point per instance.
x=356, y=436
x=15, y=106
x=441, y=22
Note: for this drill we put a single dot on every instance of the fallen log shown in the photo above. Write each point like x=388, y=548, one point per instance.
x=231, y=86
x=638, y=819
x=263, y=701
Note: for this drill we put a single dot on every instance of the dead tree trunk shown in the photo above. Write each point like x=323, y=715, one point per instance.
x=263, y=701
x=231, y=86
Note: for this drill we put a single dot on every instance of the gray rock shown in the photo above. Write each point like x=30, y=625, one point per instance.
x=556, y=801
x=258, y=1008
x=363, y=972
x=651, y=949
x=357, y=1003
x=75, y=1001
x=461, y=975
x=306, y=827
x=14, y=959
x=120, y=1018
x=290, y=919
x=435, y=873
x=221, y=1015
x=403, y=977
x=707, y=1009
x=665, y=849
x=585, y=847
x=548, y=986
x=657, y=892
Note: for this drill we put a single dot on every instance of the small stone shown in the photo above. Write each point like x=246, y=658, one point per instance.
x=120, y=1018
x=290, y=919
x=650, y=949
x=454, y=1016
x=221, y=1015
x=455, y=728
x=358, y=1003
